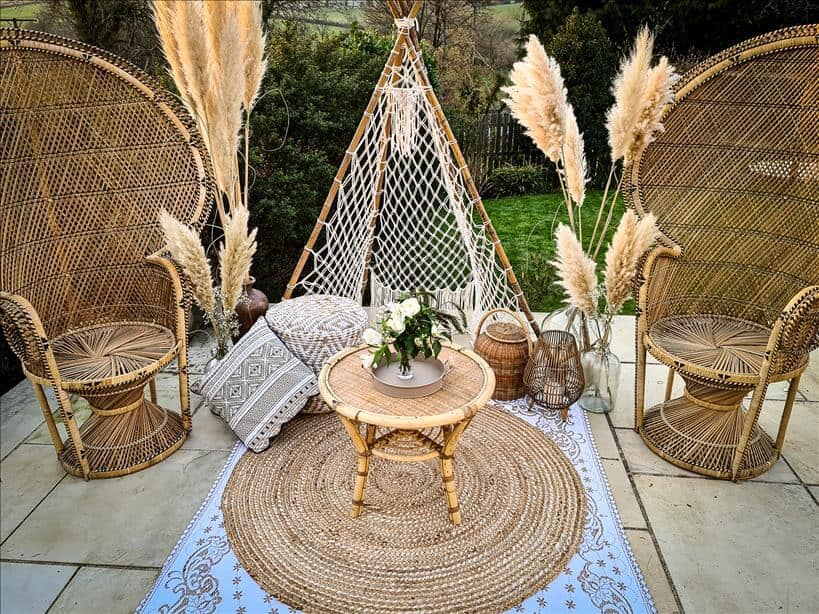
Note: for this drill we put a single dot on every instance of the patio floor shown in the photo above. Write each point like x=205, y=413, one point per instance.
x=704, y=545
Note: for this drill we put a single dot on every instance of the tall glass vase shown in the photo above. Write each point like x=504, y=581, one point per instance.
x=601, y=370
x=574, y=321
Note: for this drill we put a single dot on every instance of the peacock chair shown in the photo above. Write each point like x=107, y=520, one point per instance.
x=92, y=149
x=730, y=299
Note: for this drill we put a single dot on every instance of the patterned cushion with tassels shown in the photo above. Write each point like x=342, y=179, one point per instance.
x=258, y=386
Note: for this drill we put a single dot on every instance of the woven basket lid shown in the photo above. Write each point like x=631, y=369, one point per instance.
x=316, y=315
x=506, y=332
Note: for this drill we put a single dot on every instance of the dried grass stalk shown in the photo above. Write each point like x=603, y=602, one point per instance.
x=576, y=271
x=253, y=42
x=224, y=97
x=628, y=93
x=574, y=158
x=630, y=241
x=537, y=99
x=194, y=52
x=187, y=250
x=235, y=257
x=657, y=95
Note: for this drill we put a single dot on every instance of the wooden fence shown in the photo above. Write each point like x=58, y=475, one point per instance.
x=492, y=140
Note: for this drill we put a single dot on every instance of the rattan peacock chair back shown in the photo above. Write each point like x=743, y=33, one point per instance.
x=730, y=302
x=734, y=179
x=92, y=149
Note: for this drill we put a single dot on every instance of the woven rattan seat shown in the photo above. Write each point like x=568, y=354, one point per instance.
x=90, y=357
x=716, y=346
x=730, y=299
x=92, y=150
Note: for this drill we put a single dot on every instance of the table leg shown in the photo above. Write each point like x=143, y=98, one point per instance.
x=363, y=450
x=451, y=436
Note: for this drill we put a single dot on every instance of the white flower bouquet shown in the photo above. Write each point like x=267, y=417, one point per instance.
x=411, y=327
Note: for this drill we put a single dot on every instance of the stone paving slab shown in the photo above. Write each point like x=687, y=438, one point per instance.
x=736, y=548
x=26, y=477
x=801, y=447
x=627, y=505
x=133, y=520
x=30, y=589
x=100, y=590
x=646, y=554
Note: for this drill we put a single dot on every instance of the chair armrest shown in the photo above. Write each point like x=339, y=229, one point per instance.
x=27, y=338
x=167, y=279
x=652, y=282
x=796, y=331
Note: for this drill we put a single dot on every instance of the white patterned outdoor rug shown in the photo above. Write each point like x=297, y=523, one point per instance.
x=203, y=573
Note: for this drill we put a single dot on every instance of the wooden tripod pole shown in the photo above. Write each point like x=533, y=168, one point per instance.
x=421, y=75
x=393, y=59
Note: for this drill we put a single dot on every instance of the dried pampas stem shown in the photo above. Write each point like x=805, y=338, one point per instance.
x=576, y=271
x=628, y=88
x=253, y=41
x=630, y=241
x=186, y=248
x=224, y=97
x=235, y=257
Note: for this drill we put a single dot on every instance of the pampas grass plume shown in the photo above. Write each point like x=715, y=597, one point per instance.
x=253, y=41
x=631, y=240
x=235, y=257
x=628, y=92
x=574, y=158
x=576, y=271
x=187, y=250
x=537, y=98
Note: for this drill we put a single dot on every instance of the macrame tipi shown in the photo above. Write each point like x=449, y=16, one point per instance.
x=403, y=210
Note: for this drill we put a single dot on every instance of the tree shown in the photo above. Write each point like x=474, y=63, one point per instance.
x=124, y=27
x=587, y=61
x=683, y=27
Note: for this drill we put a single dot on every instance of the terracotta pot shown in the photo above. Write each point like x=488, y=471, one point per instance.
x=249, y=311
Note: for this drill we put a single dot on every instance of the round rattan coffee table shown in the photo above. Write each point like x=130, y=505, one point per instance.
x=407, y=429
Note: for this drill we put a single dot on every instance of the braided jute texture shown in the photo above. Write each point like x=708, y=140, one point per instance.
x=287, y=518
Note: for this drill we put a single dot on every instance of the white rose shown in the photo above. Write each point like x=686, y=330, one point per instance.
x=372, y=337
x=410, y=307
x=367, y=360
x=419, y=342
x=435, y=330
x=396, y=325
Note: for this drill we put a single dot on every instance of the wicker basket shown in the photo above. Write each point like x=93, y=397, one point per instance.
x=506, y=346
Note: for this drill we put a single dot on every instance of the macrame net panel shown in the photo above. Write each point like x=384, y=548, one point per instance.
x=403, y=213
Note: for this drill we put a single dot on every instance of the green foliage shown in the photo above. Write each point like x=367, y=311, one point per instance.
x=682, y=27
x=315, y=92
x=587, y=62
x=518, y=180
x=412, y=326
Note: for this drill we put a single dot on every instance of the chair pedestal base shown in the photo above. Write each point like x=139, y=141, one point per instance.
x=118, y=444
x=700, y=432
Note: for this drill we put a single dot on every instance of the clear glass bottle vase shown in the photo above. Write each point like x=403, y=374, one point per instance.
x=601, y=370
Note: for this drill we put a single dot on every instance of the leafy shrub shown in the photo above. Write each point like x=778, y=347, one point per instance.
x=518, y=180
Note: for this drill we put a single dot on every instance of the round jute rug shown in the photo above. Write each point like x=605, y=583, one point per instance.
x=287, y=516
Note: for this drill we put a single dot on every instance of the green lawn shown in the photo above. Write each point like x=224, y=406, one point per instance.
x=19, y=10
x=524, y=224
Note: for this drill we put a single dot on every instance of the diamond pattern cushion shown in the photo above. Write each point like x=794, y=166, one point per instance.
x=258, y=386
x=316, y=326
